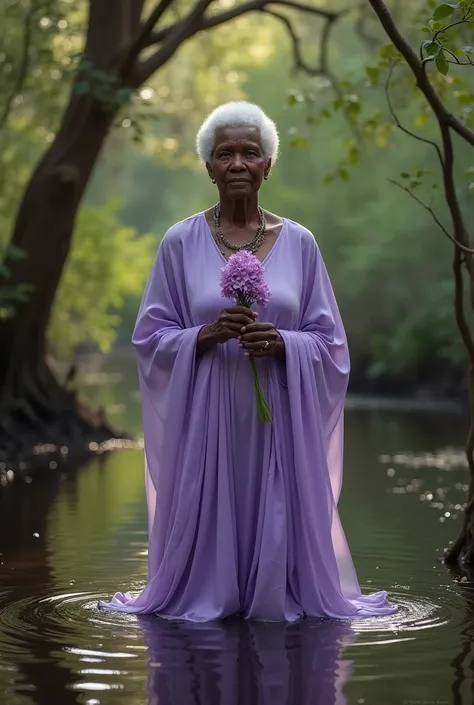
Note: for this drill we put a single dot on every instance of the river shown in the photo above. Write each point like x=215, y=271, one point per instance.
x=69, y=539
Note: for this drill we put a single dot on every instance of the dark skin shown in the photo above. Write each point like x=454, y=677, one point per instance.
x=238, y=167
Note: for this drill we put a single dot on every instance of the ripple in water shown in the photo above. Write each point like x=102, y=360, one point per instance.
x=57, y=614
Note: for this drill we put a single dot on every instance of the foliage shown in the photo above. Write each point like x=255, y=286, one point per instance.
x=381, y=102
x=36, y=40
x=108, y=263
x=338, y=149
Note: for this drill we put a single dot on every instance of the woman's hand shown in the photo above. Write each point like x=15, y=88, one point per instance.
x=261, y=340
x=228, y=325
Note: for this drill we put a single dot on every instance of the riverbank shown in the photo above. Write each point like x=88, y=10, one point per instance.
x=110, y=384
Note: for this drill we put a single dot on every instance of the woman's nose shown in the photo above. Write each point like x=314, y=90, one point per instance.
x=237, y=162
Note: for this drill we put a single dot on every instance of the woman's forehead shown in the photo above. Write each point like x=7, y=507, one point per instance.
x=237, y=134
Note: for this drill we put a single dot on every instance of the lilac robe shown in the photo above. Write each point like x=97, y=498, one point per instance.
x=243, y=515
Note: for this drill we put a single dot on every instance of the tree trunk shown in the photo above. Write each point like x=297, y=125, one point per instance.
x=31, y=397
x=34, y=406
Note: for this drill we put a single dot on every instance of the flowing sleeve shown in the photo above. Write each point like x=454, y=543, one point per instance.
x=165, y=341
x=317, y=374
x=317, y=355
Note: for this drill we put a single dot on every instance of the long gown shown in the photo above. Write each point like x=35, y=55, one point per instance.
x=243, y=515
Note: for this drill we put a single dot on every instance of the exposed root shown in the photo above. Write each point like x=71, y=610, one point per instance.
x=35, y=429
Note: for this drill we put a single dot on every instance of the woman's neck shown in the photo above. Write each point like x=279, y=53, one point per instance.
x=239, y=213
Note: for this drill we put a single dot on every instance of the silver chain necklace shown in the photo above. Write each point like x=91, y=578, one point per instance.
x=251, y=246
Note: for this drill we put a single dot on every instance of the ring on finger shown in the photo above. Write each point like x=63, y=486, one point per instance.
x=265, y=344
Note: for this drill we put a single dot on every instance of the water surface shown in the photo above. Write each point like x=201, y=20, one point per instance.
x=70, y=539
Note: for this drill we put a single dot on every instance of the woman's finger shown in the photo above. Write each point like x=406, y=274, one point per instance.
x=238, y=319
x=243, y=310
x=254, y=327
x=257, y=337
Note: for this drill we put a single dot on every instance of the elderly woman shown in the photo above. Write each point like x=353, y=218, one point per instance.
x=243, y=514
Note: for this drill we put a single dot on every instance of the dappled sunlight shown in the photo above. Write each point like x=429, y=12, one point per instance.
x=447, y=499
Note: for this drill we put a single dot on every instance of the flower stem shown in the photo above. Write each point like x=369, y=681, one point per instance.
x=264, y=414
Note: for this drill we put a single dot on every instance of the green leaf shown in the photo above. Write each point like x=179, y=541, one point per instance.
x=443, y=11
x=415, y=182
x=294, y=97
x=123, y=94
x=441, y=63
x=353, y=107
x=372, y=72
x=15, y=253
x=344, y=174
x=464, y=98
x=421, y=119
x=82, y=87
x=471, y=187
x=297, y=141
x=354, y=156
x=469, y=172
x=328, y=179
x=431, y=48
x=387, y=51
x=426, y=29
x=404, y=175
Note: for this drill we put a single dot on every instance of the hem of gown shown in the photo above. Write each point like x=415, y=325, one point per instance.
x=366, y=608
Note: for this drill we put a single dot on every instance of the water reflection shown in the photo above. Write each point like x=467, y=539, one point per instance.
x=69, y=539
x=247, y=663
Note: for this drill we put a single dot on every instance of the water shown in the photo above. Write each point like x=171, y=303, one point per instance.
x=68, y=540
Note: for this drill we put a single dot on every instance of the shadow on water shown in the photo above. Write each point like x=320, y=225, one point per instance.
x=463, y=662
x=244, y=663
x=24, y=557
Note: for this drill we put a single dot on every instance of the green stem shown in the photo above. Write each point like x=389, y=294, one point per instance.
x=264, y=414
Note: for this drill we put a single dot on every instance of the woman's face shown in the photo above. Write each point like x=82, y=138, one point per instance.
x=238, y=165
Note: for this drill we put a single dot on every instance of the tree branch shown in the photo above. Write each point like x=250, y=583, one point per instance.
x=151, y=23
x=135, y=10
x=449, y=26
x=145, y=68
x=399, y=124
x=418, y=70
x=433, y=215
x=299, y=63
x=250, y=6
x=459, y=304
x=322, y=69
x=143, y=37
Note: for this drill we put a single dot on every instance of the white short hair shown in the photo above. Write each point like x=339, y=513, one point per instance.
x=237, y=114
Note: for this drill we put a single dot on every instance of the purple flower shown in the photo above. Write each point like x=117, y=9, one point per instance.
x=242, y=279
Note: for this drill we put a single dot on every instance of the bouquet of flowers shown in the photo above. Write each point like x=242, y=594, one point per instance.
x=242, y=279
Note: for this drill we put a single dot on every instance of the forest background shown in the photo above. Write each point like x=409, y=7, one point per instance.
x=389, y=263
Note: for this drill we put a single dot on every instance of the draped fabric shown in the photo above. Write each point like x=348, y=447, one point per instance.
x=243, y=515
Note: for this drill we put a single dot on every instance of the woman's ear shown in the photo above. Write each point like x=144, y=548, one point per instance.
x=268, y=167
x=209, y=171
